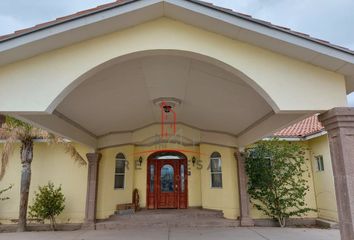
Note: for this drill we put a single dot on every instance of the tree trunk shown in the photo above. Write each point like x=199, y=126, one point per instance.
x=282, y=221
x=26, y=160
x=52, y=223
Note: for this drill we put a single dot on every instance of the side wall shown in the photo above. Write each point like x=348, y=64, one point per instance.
x=50, y=163
x=107, y=196
x=310, y=198
x=227, y=197
x=323, y=180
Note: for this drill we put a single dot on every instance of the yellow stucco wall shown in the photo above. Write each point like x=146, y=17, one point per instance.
x=227, y=197
x=50, y=163
x=324, y=181
x=107, y=196
x=286, y=83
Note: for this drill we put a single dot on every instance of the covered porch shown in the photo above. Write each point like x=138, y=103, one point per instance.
x=170, y=82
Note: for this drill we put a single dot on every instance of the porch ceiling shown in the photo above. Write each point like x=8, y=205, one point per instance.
x=120, y=98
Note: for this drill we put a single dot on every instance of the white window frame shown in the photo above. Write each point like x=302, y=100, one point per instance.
x=124, y=160
x=319, y=163
x=211, y=172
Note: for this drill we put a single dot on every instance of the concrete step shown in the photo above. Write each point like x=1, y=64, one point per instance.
x=327, y=223
x=206, y=222
x=167, y=214
x=168, y=218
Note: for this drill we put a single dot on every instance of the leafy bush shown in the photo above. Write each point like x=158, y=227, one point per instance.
x=3, y=191
x=48, y=203
x=276, y=184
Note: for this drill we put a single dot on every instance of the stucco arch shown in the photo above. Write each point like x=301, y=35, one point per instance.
x=286, y=84
x=170, y=52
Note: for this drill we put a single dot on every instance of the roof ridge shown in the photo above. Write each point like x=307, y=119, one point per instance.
x=269, y=24
x=65, y=18
x=118, y=3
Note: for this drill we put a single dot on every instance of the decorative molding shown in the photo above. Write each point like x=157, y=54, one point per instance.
x=156, y=123
x=73, y=123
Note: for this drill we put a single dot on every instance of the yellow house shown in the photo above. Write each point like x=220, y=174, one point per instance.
x=127, y=167
x=312, y=134
x=153, y=91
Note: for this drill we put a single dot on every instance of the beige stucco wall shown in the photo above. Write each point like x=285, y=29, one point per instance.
x=286, y=84
x=50, y=163
x=324, y=181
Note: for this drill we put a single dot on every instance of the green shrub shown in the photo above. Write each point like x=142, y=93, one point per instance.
x=2, y=191
x=48, y=203
x=276, y=185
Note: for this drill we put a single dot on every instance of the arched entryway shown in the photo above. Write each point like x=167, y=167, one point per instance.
x=167, y=180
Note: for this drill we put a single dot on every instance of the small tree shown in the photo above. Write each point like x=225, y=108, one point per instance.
x=48, y=203
x=2, y=191
x=18, y=132
x=276, y=184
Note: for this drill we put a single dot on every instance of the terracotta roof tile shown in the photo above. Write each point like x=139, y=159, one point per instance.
x=118, y=3
x=304, y=128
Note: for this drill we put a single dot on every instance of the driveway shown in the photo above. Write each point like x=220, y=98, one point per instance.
x=182, y=234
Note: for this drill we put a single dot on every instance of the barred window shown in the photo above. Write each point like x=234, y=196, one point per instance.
x=215, y=170
x=119, y=177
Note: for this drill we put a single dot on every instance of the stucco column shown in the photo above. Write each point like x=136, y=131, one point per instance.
x=91, y=195
x=245, y=219
x=339, y=123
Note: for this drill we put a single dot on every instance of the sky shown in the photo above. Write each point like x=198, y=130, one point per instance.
x=331, y=20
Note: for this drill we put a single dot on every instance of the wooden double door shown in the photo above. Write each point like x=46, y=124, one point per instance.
x=167, y=184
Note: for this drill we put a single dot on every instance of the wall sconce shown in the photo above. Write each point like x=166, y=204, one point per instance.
x=140, y=161
x=194, y=160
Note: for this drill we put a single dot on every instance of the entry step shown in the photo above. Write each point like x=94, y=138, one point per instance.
x=125, y=209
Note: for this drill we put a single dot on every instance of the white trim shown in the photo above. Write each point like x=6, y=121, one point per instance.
x=75, y=23
x=34, y=140
x=238, y=23
x=293, y=139
x=211, y=173
x=120, y=174
x=316, y=135
x=256, y=26
x=289, y=139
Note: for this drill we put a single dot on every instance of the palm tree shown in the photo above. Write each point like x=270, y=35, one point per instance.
x=15, y=131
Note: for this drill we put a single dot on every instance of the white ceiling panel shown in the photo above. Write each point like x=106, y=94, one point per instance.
x=120, y=98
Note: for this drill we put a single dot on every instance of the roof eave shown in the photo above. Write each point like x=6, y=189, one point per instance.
x=196, y=13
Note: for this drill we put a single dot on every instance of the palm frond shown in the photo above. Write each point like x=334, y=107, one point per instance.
x=7, y=151
x=13, y=126
x=68, y=146
x=16, y=130
x=72, y=151
x=38, y=133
